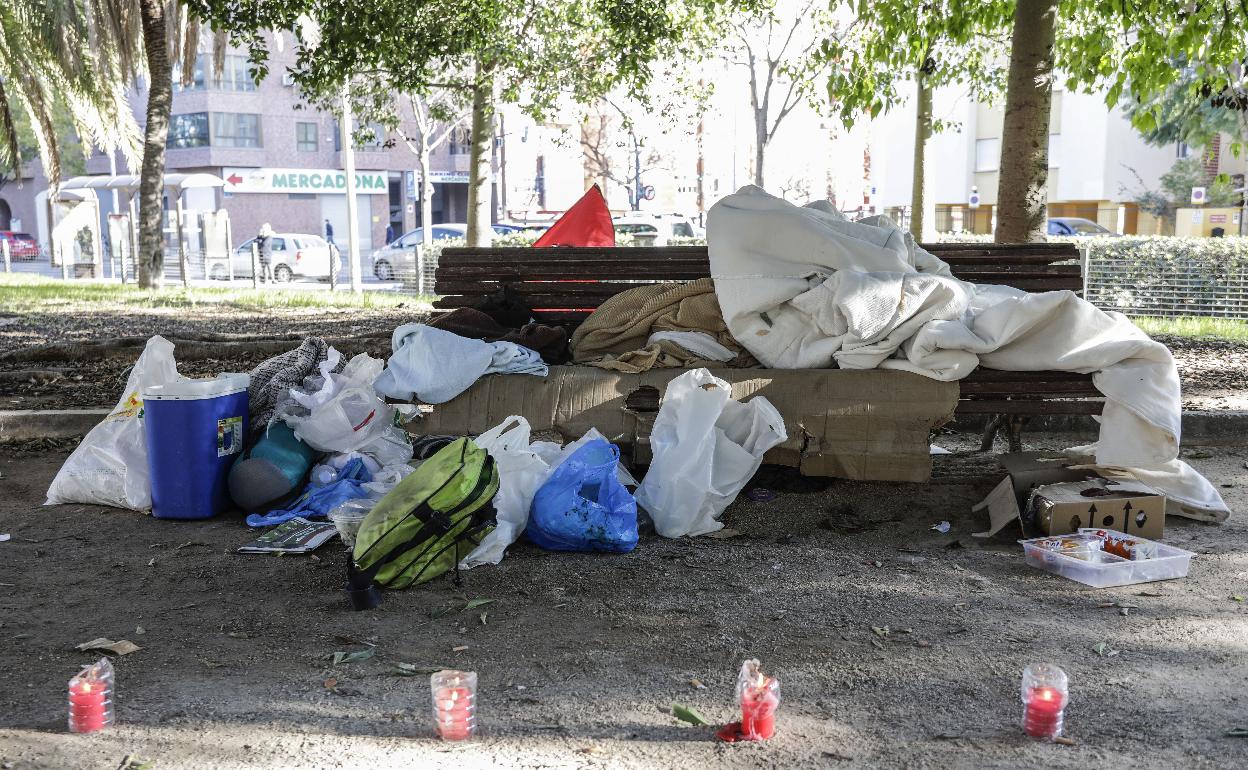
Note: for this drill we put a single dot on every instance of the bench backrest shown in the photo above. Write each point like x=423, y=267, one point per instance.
x=566, y=284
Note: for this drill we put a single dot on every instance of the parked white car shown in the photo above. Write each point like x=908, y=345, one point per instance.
x=398, y=258
x=655, y=229
x=292, y=255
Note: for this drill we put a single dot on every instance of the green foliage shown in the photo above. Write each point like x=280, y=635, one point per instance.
x=892, y=41
x=1187, y=173
x=1179, y=114
x=1130, y=49
x=535, y=51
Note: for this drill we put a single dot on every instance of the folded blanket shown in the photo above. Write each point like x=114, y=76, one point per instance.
x=803, y=288
x=621, y=334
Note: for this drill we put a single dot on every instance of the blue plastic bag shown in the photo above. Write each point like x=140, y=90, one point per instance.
x=583, y=506
x=316, y=502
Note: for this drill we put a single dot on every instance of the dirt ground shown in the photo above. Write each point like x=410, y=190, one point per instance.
x=895, y=645
x=1214, y=372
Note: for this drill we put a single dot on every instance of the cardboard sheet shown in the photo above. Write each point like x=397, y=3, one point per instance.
x=853, y=424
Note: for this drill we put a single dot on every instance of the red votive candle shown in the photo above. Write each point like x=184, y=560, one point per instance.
x=91, y=698
x=454, y=704
x=1044, y=700
x=759, y=697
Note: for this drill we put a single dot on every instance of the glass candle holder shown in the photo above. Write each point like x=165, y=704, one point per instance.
x=759, y=697
x=1045, y=694
x=91, y=698
x=454, y=704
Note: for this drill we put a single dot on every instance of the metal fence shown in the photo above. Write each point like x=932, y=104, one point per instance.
x=1168, y=277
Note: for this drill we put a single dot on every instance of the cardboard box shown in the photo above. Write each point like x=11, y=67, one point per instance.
x=854, y=424
x=1047, y=496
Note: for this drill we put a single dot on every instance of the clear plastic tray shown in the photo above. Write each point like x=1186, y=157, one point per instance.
x=1100, y=569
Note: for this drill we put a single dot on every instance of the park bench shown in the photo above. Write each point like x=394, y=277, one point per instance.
x=564, y=285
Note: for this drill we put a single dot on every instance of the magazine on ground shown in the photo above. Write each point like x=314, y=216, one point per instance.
x=295, y=536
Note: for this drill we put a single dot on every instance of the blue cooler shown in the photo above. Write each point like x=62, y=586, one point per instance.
x=195, y=431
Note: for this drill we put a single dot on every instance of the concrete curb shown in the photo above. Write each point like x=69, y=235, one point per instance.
x=1204, y=428
x=24, y=424
x=1200, y=428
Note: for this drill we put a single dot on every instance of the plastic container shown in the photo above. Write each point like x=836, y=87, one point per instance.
x=196, y=428
x=1045, y=695
x=454, y=704
x=91, y=698
x=1100, y=569
x=349, y=516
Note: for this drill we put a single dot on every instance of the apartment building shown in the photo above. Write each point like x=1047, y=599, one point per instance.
x=1097, y=163
x=281, y=160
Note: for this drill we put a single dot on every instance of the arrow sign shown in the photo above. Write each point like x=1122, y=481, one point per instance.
x=233, y=179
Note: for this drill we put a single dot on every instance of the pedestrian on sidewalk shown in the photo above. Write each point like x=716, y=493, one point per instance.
x=329, y=231
x=264, y=246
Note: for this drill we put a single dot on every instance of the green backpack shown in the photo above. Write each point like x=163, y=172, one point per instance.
x=426, y=524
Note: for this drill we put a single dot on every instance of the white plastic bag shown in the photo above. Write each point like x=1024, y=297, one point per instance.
x=522, y=468
x=109, y=467
x=705, y=448
x=344, y=413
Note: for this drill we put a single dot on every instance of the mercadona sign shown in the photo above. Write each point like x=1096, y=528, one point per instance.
x=300, y=180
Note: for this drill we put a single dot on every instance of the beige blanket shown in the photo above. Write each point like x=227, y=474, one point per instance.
x=615, y=335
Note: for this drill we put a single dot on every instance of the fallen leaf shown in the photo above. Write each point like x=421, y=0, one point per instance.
x=124, y=647
x=877, y=564
x=1062, y=740
x=942, y=527
x=1236, y=598
x=726, y=533
x=697, y=684
x=690, y=715
x=1104, y=650
x=330, y=683
x=483, y=616
x=475, y=603
x=880, y=631
x=1124, y=611
x=139, y=630
x=460, y=648
x=1237, y=732
x=353, y=657
x=152, y=563
x=1197, y=456
x=440, y=612
x=877, y=643
x=211, y=663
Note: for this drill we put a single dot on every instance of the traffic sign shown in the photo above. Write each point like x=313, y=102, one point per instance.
x=647, y=192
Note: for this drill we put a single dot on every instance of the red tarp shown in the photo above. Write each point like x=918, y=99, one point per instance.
x=587, y=223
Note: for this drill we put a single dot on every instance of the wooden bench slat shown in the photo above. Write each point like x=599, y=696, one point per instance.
x=1030, y=406
x=1074, y=388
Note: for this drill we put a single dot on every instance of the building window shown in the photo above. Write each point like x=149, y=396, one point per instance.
x=236, y=74
x=987, y=154
x=1181, y=150
x=189, y=130
x=460, y=142
x=306, y=137
x=235, y=129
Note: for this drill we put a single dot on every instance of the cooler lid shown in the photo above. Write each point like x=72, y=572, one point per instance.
x=190, y=389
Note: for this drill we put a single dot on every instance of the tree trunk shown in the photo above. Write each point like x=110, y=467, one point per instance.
x=760, y=143
x=426, y=196
x=1022, y=189
x=151, y=256
x=480, y=171
x=922, y=206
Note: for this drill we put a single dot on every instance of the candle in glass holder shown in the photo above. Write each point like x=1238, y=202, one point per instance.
x=1044, y=700
x=91, y=698
x=759, y=697
x=454, y=704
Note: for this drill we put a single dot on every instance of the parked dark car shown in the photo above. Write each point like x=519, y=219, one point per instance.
x=1076, y=226
x=21, y=245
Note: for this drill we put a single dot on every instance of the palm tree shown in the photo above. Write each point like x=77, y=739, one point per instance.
x=89, y=53
x=54, y=56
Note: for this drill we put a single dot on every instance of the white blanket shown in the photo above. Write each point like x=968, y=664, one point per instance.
x=434, y=365
x=801, y=287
